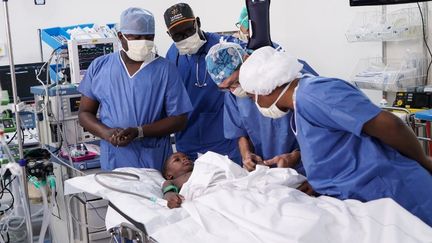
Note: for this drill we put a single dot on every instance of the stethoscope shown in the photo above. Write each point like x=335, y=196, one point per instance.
x=198, y=83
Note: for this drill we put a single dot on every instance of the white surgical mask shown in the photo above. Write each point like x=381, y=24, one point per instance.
x=190, y=45
x=138, y=50
x=239, y=92
x=273, y=111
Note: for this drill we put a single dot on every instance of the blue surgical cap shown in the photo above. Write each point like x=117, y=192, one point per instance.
x=137, y=21
x=244, y=18
x=223, y=59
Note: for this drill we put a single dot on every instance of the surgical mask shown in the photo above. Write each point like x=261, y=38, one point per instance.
x=190, y=45
x=239, y=92
x=273, y=111
x=138, y=50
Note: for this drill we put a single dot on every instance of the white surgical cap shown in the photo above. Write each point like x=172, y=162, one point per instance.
x=266, y=69
x=137, y=21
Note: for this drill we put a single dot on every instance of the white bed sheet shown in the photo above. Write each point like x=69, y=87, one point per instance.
x=224, y=203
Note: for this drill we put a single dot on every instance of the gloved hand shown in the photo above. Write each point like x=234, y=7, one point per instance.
x=174, y=199
x=251, y=160
x=288, y=160
x=126, y=136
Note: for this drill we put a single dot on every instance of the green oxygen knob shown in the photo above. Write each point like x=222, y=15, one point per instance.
x=34, y=181
x=51, y=181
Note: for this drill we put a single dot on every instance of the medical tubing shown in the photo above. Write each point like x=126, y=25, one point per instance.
x=5, y=146
x=60, y=161
x=122, y=175
x=25, y=206
x=46, y=215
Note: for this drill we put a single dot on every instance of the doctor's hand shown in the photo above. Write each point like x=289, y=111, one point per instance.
x=174, y=199
x=288, y=160
x=126, y=136
x=251, y=160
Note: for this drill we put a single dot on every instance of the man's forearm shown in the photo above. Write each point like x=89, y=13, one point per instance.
x=93, y=125
x=165, y=126
x=393, y=132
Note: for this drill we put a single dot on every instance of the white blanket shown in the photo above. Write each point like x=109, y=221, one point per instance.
x=224, y=203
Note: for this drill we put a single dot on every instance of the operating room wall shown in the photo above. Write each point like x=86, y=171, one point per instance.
x=313, y=30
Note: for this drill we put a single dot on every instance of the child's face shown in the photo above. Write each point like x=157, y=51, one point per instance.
x=178, y=164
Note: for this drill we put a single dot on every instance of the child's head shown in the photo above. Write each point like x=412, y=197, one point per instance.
x=176, y=165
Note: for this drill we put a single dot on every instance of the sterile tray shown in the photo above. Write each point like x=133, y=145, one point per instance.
x=403, y=24
x=57, y=37
x=390, y=74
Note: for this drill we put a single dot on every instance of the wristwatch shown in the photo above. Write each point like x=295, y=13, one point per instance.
x=140, y=132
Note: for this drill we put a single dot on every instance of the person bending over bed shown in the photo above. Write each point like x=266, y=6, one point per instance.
x=178, y=168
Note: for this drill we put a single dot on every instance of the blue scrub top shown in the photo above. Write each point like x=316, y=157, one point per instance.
x=342, y=161
x=204, y=131
x=270, y=137
x=153, y=93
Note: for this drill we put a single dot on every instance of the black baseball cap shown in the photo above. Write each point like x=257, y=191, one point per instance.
x=177, y=14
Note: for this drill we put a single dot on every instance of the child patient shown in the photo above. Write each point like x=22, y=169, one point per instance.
x=177, y=170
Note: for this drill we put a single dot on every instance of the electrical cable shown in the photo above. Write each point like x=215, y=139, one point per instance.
x=60, y=161
x=78, y=221
x=6, y=185
x=425, y=42
x=44, y=85
x=3, y=211
x=92, y=206
x=12, y=138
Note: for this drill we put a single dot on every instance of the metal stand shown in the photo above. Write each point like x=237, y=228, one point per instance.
x=17, y=117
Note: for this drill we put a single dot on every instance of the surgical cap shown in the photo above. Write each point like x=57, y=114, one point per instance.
x=137, y=21
x=244, y=18
x=266, y=69
x=223, y=59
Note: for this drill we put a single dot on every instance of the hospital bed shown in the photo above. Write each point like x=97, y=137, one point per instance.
x=224, y=203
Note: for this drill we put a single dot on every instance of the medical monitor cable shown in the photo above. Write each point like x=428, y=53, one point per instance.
x=425, y=42
x=79, y=221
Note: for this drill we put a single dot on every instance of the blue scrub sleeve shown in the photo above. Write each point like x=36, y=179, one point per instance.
x=307, y=68
x=337, y=105
x=177, y=100
x=233, y=125
x=85, y=86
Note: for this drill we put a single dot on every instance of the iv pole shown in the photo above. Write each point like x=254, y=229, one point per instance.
x=17, y=117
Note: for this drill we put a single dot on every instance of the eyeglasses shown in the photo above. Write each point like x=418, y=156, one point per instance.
x=231, y=87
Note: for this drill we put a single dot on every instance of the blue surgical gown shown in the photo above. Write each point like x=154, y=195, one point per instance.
x=153, y=93
x=270, y=137
x=342, y=161
x=204, y=131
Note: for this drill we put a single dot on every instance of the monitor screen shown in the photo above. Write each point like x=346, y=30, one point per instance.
x=25, y=78
x=381, y=2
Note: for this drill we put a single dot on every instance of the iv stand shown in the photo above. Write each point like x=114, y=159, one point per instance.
x=17, y=116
